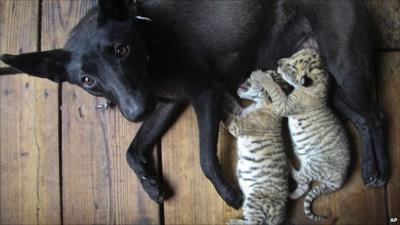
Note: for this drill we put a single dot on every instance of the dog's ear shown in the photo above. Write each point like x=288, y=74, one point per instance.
x=48, y=64
x=119, y=10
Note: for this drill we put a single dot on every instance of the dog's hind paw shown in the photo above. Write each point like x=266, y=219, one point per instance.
x=373, y=177
x=375, y=181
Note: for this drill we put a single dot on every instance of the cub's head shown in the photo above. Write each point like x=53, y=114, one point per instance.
x=303, y=69
x=253, y=89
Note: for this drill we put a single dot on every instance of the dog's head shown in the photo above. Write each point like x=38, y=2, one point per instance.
x=105, y=55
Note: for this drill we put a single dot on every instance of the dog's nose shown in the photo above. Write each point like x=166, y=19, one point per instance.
x=134, y=110
x=5, y=57
x=135, y=115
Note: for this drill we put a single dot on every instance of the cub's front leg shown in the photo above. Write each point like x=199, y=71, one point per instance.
x=282, y=104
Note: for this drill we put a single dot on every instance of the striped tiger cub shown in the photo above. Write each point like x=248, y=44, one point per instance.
x=262, y=168
x=318, y=138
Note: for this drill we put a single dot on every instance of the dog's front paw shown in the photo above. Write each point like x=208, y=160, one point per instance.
x=155, y=191
x=234, y=198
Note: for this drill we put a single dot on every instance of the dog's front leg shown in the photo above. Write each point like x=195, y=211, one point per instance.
x=207, y=105
x=139, y=152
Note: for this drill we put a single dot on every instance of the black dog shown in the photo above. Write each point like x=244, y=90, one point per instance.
x=193, y=51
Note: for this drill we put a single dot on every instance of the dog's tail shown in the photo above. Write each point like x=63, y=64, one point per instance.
x=8, y=71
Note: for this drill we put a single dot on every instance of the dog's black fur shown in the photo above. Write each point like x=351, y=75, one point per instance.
x=200, y=49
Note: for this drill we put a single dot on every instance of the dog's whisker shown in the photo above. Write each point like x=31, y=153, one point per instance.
x=143, y=18
x=102, y=106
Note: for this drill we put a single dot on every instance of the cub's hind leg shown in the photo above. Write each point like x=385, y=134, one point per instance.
x=276, y=214
x=262, y=211
x=253, y=210
x=303, y=183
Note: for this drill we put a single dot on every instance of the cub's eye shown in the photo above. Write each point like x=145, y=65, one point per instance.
x=305, y=81
x=87, y=81
x=121, y=50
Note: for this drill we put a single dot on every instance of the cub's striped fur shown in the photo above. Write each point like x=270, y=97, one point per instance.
x=262, y=168
x=319, y=140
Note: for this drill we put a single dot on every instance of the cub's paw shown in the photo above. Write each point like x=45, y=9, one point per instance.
x=257, y=73
x=270, y=74
x=294, y=196
x=237, y=222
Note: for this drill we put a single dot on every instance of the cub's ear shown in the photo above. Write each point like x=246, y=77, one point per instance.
x=119, y=10
x=305, y=81
x=48, y=64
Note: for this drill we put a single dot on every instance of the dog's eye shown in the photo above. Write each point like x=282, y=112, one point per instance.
x=121, y=50
x=87, y=81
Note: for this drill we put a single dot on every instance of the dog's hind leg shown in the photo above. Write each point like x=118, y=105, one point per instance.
x=139, y=153
x=344, y=38
x=355, y=99
x=369, y=168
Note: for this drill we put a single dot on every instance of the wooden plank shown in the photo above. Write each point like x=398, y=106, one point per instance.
x=352, y=204
x=98, y=186
x=386, y=20
x=195, y=200
x=388, y=95
x=29, y=143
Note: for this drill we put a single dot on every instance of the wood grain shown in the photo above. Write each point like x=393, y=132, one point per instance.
x=195, y=200
x=386, y=19
x=98, y=187
x=29, y=142
x=388, y=95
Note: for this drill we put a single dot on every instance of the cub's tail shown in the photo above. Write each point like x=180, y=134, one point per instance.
x=313, y=194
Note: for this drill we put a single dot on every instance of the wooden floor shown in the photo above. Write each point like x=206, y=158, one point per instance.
x=68, y=166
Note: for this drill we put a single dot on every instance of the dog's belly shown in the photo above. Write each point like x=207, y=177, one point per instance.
x=230, y=38
x=220, y=26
